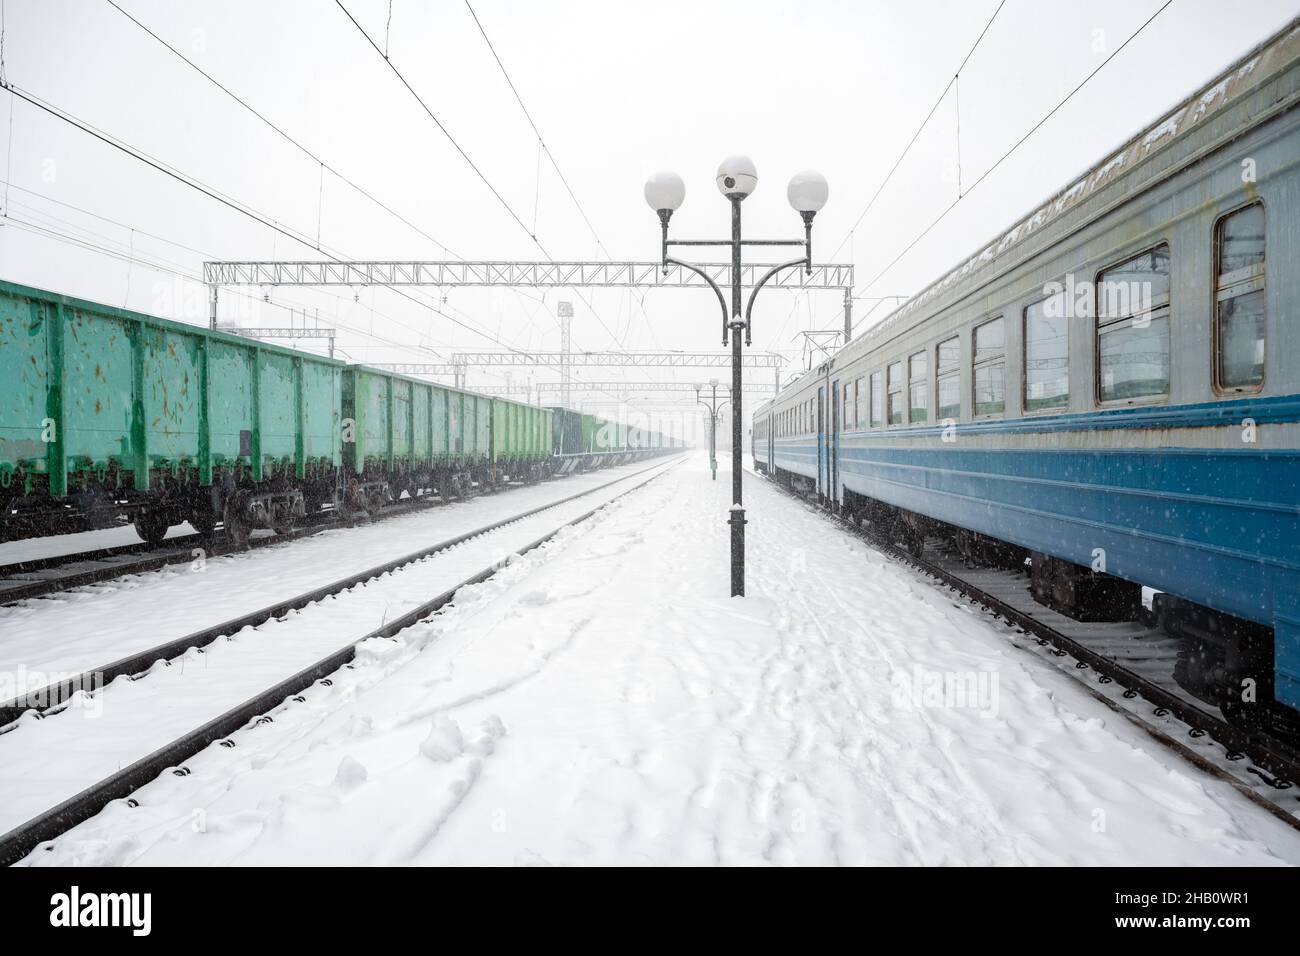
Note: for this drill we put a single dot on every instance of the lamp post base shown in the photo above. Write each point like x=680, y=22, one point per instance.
x=737, y=522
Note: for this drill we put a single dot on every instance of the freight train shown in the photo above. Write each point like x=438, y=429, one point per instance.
x=1109, y=391
x=108, y=415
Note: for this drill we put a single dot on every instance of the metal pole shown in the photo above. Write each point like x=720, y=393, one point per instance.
x=848, y=317
x=713, y=434
x=737, y=520
x=212, y=300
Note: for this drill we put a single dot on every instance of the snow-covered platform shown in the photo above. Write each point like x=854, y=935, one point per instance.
x=602, y=700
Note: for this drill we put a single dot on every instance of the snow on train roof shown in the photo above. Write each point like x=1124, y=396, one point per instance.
x=1262, y=62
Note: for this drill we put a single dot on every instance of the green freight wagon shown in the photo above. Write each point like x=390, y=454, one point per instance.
x=108, y=414
x=407, y=435
x=567, y=432
x=521, y=440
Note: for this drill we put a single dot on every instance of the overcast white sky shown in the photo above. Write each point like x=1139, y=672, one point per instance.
x=618, y=90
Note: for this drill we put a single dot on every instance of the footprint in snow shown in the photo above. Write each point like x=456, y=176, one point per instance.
x=445, y=741
x=351, y=774
x=536, y=598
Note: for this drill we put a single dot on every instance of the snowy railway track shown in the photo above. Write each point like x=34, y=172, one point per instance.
x=273, y=664
x=1128, y=676
x=42, y=577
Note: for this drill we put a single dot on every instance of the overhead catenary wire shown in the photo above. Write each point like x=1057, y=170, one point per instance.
x=920, y=129
x=248, y=211
x=437, y=122
x=310, y=154
x=170, y=267
x=1050, y=113
x=464, y=155
x=540, y=139
x=230, y=202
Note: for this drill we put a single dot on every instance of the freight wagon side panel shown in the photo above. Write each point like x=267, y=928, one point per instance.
x=172, y=394
x=24, y=368
x=456, y=424
x=321, y=400
x=542, y=433
x=573, y=432
x=482, y=427
x=500, y=436
x=400, y=406
x=99, y=419
x=230, y=403
x=276, y=440
x=372, y=423
x=544, y=438
x=441, y=446
x=421, y=439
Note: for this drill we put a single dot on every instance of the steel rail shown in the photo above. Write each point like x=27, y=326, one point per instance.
x=177, y=550
x=53, y=698
x=1276, y=763
x=22, y=840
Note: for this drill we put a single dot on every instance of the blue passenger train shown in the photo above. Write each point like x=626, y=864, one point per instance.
x=1109, y=390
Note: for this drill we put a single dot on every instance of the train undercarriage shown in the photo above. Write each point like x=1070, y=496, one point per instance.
x=280, y=502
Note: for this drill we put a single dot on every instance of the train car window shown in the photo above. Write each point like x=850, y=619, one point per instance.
x=918, y=387
x=857, y=403
x=845, y=420
x=1239, y=301
x=989, y=368
x=1047, y=369
x=1133, y=328
x=948, y=368
x=894, y=398
x=876, y=400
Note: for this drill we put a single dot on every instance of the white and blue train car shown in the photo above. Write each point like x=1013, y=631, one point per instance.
x=1116, y=376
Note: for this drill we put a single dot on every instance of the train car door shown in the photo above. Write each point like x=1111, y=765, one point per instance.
x=833, y=451
x=771, y=441
x=821, y=439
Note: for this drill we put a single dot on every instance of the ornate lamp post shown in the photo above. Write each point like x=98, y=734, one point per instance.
x=714, y=408
x=736, y=179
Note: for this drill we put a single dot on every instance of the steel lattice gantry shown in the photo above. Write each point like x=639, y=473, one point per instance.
x=542, y=388
x=617, y=359
x=521, y=274
x=461, y=361
x=281, y=333
x=641, y=387
x=616, y=275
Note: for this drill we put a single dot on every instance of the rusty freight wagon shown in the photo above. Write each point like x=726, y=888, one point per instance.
x=108, y=415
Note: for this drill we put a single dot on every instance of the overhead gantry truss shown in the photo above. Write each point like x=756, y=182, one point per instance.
x=282, y=333
x=640, y=387
x=537, y=275
x=629, y=388
x=462, y=361
x=617, y=359
x=623, y=275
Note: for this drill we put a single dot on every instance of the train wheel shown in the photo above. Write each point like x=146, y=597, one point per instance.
x=282, y=519
x=151, y=526
x=203, y=520
x=235, y=518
